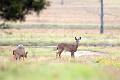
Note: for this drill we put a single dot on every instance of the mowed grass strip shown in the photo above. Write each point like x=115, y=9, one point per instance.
x=50, y=37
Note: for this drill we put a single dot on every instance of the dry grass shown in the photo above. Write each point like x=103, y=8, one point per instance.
x=80, y=11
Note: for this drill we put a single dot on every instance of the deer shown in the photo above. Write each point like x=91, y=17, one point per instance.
x=19, y=52
x=70, y=47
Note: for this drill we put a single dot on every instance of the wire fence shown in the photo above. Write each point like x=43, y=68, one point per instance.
x=79, y=12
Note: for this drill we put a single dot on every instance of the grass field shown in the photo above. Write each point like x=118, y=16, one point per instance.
x=41, y=63
x=55, y=25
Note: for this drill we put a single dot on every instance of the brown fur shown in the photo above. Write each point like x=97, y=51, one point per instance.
x=67, y=47
x=19, y=52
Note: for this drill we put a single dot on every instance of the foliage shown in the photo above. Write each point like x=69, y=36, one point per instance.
x=13, y=10
x=4, y=26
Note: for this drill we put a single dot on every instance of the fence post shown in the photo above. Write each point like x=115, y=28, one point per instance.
x=62, y=2
x=101, y=17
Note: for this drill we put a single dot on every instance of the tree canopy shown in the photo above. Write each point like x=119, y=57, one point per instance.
x=13, y=10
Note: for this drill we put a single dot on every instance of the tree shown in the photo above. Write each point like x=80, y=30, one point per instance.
x=13, y=10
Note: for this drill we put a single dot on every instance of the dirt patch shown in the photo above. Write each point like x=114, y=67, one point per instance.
x=84, y=53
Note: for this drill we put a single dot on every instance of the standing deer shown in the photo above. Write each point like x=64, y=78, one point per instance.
x=68, y=47
x=20, y=52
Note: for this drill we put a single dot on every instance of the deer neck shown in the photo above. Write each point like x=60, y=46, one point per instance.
x=77, y=43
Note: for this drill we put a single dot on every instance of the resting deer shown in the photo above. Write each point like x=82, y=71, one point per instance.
x=68, y=47
x=20, y=52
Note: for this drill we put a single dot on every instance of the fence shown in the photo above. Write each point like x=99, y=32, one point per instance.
x=78, y=12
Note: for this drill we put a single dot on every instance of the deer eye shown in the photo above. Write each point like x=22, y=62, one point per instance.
x=79, y=37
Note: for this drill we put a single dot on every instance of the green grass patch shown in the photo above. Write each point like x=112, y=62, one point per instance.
x=58, y=26
x=37, y=71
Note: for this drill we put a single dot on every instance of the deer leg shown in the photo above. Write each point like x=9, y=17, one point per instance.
x=19, y=57
x=72, y=55
x=59, y=53
x=23, y=58
x=16, y=57
x=56, y=54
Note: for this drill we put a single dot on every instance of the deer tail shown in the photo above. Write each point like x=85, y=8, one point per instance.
x=13, y=52
x=57, y=48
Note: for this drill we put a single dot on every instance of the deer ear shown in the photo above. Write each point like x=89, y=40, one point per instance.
x=75, y=38
x=79, y=37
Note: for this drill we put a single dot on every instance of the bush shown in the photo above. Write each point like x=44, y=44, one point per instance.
x=4, y=26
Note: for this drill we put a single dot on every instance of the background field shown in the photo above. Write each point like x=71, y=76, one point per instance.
x=61, y=23
x=84, y=12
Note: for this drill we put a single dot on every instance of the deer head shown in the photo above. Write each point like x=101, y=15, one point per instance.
x=77, y=39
